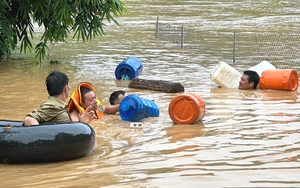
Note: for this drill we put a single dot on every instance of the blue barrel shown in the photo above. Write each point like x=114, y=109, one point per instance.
x=128, y=69
x=134, y=108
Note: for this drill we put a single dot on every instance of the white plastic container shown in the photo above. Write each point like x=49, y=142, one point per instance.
x=262, y=66
x=225, y=75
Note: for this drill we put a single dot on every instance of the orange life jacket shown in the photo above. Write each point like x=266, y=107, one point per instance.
x=75, y=101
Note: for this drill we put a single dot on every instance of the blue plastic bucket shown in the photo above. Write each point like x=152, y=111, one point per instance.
x=128, y=69
x=134, y=108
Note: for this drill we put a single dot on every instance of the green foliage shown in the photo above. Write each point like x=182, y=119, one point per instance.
x=55, y=62
x=40, y=50
x=84, y=18
x=7, y=35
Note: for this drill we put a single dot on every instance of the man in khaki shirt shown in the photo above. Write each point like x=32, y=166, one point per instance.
x=54, y=109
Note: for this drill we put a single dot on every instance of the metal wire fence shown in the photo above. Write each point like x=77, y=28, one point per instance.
x=249, y=48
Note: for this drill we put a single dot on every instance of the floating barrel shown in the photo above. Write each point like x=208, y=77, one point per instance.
x=134, y=108
x=262, y=66
x=186, y=108
x=225, y=75
x=128, y=69
x=279, y=79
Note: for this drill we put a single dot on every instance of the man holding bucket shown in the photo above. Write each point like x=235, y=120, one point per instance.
x=249, y=80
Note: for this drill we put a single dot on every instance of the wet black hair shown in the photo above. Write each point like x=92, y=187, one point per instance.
x=56, y=81
x=252, y=77
x=115, y=96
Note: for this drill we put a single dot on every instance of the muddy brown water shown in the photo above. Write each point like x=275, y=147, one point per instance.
x=246, y=138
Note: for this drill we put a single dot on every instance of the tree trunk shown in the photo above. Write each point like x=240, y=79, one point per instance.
x=157, y=85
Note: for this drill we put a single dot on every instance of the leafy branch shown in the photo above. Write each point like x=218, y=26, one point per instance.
x=84, y=18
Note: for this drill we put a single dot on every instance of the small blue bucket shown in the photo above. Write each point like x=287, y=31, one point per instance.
x=133, y=108
x=128, y=69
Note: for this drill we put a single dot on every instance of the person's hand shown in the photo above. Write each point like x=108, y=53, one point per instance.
x=88, y=115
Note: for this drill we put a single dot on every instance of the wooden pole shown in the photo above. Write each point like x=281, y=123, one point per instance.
x=157, y=85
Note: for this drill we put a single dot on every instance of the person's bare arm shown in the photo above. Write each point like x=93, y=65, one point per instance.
x=30, y=121
x=111, y=109
x=87, y=116
x=74, y=115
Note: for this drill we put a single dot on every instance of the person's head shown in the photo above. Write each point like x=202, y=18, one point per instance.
x=249, y=80
x=57, y=82
x=116, y=97
x=88, y=98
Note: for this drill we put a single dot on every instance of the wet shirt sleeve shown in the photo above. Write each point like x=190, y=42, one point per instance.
x=53, y=110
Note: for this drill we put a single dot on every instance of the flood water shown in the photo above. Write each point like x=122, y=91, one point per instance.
x=246, y=138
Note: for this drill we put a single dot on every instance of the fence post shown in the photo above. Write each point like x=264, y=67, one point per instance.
x=182, y=36
x=156, y=32
x=234, y=47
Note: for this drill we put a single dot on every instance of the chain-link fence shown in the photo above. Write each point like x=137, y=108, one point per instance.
x=249, y=48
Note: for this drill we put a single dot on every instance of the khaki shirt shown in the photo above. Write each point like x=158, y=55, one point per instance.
x=53, y=110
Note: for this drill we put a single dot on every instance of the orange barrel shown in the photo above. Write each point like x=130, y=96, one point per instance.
x=279, y=79
x=186, y=108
